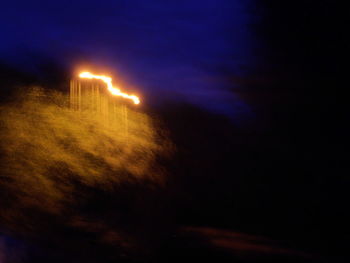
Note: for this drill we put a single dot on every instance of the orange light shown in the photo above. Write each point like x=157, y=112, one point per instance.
x=115, y=91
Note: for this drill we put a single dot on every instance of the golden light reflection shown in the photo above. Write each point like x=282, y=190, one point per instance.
x=108, y=80
x=46, y=148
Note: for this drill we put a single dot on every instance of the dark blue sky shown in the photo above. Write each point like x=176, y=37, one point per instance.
x=175, y=47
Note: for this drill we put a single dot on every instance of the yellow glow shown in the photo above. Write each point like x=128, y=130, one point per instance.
x=115, y=91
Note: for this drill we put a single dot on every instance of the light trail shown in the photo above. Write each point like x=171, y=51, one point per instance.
x=108, y=80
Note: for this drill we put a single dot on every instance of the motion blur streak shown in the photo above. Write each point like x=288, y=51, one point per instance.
x=50, y=155
x=115, y=91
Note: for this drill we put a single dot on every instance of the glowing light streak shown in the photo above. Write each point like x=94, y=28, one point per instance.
x=115, y=91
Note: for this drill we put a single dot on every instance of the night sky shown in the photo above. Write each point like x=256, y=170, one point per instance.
x=172, y=47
